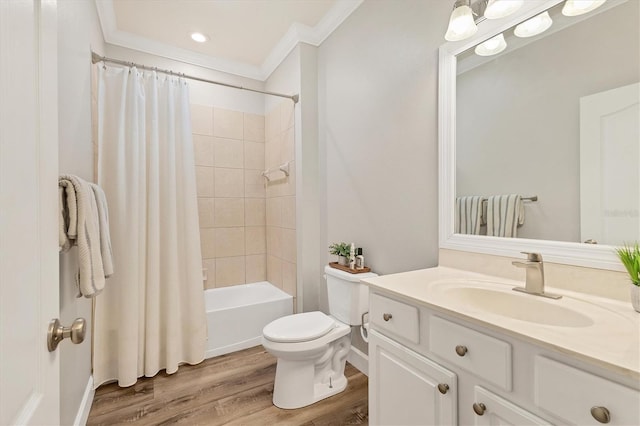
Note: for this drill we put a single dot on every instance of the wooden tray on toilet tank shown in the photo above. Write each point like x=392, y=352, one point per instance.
x=347, y=269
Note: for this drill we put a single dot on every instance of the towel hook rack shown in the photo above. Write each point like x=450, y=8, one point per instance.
x=284, y=168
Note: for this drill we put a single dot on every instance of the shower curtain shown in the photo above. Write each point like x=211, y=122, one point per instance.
x=151, y=313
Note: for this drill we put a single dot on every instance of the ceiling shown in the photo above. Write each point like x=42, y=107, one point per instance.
x=246, y=37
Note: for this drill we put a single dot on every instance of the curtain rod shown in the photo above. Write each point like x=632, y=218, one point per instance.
x=95, y=58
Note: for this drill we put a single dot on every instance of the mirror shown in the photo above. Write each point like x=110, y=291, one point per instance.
x=519, y=116
x=529, y=121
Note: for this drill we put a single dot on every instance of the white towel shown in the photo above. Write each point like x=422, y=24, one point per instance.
x=103, y=223
x=468, y=215
x=82, y=228
x=504, y=214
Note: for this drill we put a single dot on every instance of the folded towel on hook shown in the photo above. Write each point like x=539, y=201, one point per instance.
x=468, y=215
x=504, y=214
x=80, y=224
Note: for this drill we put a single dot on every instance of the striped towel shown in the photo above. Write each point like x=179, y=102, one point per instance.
x=80, y=224
x=468, y=215
x=504, y=214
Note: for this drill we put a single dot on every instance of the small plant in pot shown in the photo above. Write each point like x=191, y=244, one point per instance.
x=341, y=250
x=630, y=258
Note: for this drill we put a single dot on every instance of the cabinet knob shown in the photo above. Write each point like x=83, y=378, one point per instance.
x=479, y=408
x=443, y=388
x=461, y=350
x=601, y=414
x=387, y=317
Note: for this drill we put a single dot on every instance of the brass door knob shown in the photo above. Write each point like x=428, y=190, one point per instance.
x=461, y=350
x=601, y=414
x=443, y=388
x=387, y=317
x=57, y=333
x=479, y=408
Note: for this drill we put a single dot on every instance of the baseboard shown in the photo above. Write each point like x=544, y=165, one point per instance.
x=359, y=360
x=85, y=405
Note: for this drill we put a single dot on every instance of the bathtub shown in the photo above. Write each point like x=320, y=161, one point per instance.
x=236, y=315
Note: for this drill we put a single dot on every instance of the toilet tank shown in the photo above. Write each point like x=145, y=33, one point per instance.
x=348, y=298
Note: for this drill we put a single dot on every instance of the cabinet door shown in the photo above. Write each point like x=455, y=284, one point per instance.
x=492, y=410
x=403, y=387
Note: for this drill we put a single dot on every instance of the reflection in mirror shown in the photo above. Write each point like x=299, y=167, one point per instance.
x=555, y=116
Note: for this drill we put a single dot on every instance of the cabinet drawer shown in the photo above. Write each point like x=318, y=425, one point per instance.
x=570, y=394
x=484, y=356
x=395, y=318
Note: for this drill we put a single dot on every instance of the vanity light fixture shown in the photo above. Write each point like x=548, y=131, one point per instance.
x=580, y=7
x=534, y=26
x=199, y=37
x=501, y=8
x=493, y=46
x=461, y=23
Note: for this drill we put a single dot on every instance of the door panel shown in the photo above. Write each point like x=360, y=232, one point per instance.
x=609, y=171
x=29, y=384
x=403, y=387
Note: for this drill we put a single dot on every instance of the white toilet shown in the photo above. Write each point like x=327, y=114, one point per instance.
x=312, y=347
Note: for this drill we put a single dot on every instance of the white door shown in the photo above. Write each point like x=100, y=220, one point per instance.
x=610, y=166
x=29, y=374
x=408, y=389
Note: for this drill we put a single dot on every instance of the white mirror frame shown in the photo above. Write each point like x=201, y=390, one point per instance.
x=594, y=256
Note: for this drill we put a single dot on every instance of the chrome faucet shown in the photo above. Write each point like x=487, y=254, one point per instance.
x=535, y=276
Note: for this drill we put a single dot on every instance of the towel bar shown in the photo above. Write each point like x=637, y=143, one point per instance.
x=284, y=168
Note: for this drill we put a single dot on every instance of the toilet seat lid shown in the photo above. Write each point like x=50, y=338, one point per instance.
x=299, y=327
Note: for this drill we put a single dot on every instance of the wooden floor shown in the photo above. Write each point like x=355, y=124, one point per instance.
x=234, y=389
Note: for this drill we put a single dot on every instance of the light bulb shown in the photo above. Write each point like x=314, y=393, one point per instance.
x=199, y=37
x=534, y=26
x=493, y=46
x=501, y=8
x=461, y=24
x=580, y=7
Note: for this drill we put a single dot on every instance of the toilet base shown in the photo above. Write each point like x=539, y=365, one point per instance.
x=299, y=383
x=289, y=401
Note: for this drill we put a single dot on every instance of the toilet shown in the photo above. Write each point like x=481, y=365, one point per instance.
x=312, y=347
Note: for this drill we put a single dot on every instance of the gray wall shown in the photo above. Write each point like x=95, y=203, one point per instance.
x=378, y=135
x=377, y=89
x=519, y=117
x=78, y=30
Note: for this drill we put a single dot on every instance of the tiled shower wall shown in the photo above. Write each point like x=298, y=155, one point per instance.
x=229, y=149
x=281, y=196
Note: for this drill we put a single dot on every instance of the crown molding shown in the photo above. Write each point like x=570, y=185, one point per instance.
x=297, y=33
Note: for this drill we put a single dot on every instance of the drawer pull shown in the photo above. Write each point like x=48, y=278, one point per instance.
x=479, y=408
x=461, y=350
x=601, y=414
x=443, y=388
x=387, y=317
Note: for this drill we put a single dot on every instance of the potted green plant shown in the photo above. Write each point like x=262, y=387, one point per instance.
x=630, y=258
x=341, y=250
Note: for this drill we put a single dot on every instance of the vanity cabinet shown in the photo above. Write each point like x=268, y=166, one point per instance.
x=408, y=389
x=492, y=378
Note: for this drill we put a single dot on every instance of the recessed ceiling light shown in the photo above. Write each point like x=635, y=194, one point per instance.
x=534, y=26
x=199, y=37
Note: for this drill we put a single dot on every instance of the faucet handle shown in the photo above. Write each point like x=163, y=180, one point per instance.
x=533, y=257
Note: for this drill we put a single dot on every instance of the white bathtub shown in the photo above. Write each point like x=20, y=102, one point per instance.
x=236, y=315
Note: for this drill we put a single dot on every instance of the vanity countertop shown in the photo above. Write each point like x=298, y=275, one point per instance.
x=604, y=332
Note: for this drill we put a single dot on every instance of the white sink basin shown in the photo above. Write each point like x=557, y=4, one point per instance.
x=500, y=301
x=521, y=307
